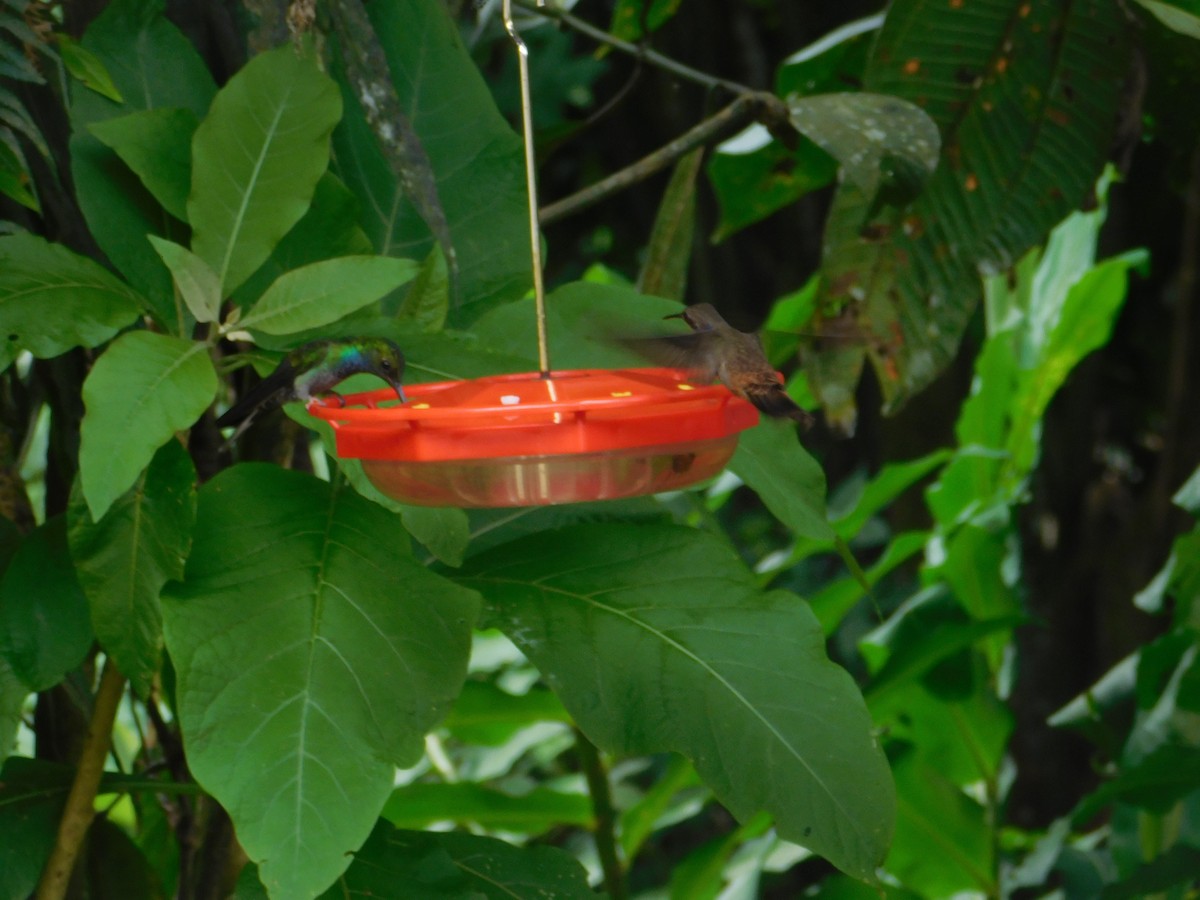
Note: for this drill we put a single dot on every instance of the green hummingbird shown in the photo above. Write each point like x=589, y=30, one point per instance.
x=313, y=369
x=715, y=350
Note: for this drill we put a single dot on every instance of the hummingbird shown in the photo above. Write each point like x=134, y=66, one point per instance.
x=315, y=368
x=715, y=350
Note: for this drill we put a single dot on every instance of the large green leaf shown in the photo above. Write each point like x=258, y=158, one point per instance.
x=476, y=157
x=123, y=561
x=143, y=389
x=1026, y=97
x=312, y=654
x=447, y=866
x=328, y=229
x=655, y=638
x=44, y=627
x=52, y=299
x=256, y=160
x=323, y=292
x=136, y=43
x=775, y=465
x=157, y=145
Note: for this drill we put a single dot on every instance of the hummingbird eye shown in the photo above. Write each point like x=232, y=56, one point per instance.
x=387, y=364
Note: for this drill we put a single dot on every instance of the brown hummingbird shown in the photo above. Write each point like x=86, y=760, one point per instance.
x=715, y=350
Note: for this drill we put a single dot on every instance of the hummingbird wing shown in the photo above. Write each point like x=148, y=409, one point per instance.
x=274, y=390
x=693, y=352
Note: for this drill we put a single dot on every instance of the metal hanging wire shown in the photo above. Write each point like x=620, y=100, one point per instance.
x=535, y=245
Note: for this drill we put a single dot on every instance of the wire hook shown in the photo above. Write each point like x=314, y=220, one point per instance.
x=535, y=244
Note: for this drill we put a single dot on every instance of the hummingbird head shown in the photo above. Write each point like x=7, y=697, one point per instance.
x=700, y=317
x=385, y=359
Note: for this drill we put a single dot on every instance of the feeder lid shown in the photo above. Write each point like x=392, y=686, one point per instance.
x=526, y=415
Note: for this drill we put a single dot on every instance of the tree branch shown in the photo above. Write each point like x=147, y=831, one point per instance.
x=750, y=107
x=653, y=57
x=80, y=809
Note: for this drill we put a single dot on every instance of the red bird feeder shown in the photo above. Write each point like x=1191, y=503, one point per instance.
x=528, y=440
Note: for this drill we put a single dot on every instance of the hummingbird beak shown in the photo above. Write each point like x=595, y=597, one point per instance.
x=399, y=391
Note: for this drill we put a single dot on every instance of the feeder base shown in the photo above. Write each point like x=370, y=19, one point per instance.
x=546, y=480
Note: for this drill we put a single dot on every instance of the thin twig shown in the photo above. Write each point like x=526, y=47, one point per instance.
x=756, y=105
x=651, y=56
x=605, y=815
x=80, y=809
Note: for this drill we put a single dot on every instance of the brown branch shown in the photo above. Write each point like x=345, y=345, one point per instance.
x=80, y=809
x=653, y=57
x=755, y=106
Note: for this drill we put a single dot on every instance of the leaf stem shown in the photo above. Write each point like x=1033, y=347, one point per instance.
x=80, y=809
x=605, y=816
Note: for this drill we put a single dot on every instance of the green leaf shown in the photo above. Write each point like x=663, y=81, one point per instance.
x=44, y=627
x=944, y=840
x=1084, y=324
x=624, y=620
x=1174, y=17
x=1026, y=98
x=323, y=292
x=831, y=62
x=15, y=180
x=157, y=145
x=12, y=702
x=867, y=133
x=197, y=284
x=312, y=653
x=664, y=272
x=754, y=176
x=447, y=866
x=136, y=43
x=774, y=464
x=329, y=229
x=1188, y=496
x=535, y=812
x=123, y=561
x=52, y=299
x=32, y=795
x=87, y=68
x=486, y=714
x=427, y=301
x=891, y=481
x=477, y=159
x=141, y=391
x=628, y=17
x=256, y=159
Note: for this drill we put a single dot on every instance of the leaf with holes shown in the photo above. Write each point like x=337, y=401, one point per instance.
x=312, y=654
x=52, y=299
x=656, y=638
x=1026, y=97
